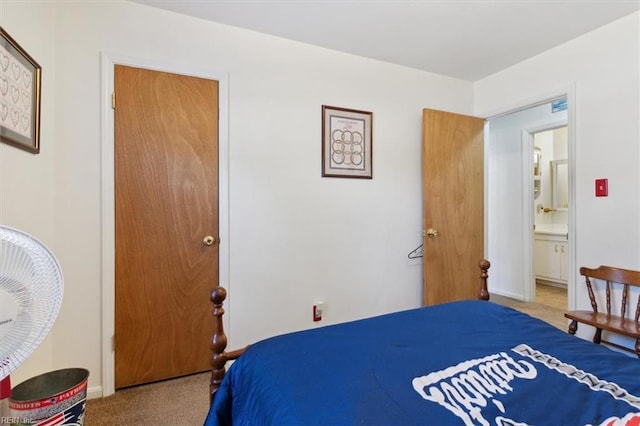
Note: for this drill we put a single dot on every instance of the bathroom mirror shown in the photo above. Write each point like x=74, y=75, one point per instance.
x=560, y=184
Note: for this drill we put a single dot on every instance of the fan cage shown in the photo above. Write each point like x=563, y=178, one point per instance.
x=31, y=288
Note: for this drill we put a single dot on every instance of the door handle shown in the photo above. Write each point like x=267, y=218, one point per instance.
x=432, y=232
x=209, y=240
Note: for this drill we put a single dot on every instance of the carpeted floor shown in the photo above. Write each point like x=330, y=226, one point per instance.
x=177, y=402
x=185, y=401
x=550, y=306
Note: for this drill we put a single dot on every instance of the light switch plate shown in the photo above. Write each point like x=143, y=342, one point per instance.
x=602, y=187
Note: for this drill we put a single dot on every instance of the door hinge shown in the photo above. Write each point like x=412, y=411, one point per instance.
x=113, y=100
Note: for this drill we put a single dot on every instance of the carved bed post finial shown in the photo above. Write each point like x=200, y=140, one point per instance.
x=484, y=291
x=218, y=341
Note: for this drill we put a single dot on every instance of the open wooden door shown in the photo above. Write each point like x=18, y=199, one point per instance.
x=453, y=205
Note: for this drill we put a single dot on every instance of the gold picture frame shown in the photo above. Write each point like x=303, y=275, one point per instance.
x=20, y=85
x=347, y=143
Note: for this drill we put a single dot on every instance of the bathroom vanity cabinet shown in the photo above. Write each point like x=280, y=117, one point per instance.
x=551, y=254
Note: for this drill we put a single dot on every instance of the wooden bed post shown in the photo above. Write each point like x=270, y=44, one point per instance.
x=219, y=357
x=218, y=341
x=484, y=291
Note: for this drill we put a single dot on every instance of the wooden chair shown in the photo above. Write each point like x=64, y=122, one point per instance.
x=617, y=285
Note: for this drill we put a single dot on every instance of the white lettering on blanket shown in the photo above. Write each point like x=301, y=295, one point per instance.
x=465, y=388
x=581, y=376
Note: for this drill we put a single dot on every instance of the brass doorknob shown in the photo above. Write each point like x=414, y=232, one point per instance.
x=208, y=240
x=432, y=232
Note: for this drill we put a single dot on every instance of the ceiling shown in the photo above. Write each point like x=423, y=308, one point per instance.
x=465, y=39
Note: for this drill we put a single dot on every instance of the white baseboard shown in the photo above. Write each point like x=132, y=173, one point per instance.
x=94, y=392
x=507, y=294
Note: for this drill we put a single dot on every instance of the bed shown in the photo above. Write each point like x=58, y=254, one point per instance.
x=467, y=362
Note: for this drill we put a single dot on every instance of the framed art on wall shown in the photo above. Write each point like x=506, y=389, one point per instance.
x=20, y=77
x=347, y=143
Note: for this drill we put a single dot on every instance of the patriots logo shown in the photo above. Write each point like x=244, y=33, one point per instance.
x=72, y=416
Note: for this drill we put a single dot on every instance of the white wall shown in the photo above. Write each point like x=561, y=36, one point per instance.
x=604, y=67
x=294, y=237
x=26, y=180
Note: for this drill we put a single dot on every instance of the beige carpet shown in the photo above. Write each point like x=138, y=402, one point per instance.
x=550, y=306
x=178, y=402
x=185, y=401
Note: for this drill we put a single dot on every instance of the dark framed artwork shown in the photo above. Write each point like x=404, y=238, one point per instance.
x=347, y=143
x=20, y=80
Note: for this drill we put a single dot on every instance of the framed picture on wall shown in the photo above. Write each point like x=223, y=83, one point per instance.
x=20, y=77
x=347, y=143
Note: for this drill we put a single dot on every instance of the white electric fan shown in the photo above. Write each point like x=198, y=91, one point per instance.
x=31, y=288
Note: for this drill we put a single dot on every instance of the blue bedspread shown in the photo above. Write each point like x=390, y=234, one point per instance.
x=471, y=362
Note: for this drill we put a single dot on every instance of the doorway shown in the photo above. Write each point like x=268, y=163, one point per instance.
x=511, y=188
x=551, y=220
x=108, y=64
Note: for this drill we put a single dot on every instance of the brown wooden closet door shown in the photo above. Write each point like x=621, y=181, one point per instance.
x=453, y=205
x=166, y=189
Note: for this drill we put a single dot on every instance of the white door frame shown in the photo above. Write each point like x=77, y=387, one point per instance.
x=569, y=92
x=108, y=63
